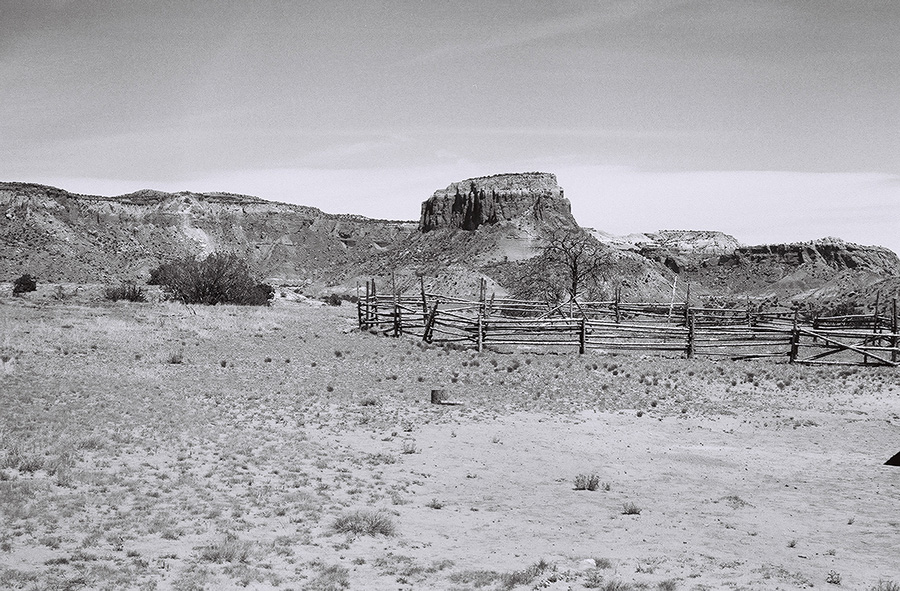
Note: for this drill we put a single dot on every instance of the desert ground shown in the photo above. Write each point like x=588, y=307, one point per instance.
x=163, y=446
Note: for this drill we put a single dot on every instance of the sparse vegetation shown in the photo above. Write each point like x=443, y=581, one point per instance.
x=186, y=453
x=229, y=549
x=524, y=576
x=587, y=482
x=332, y=577
x=833, y=577
x=127, y=291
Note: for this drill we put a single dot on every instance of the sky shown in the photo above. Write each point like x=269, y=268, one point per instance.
x=773, y=121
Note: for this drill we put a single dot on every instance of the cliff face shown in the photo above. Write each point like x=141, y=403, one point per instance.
x=61, y=236
x=829, y=252
x=681, y=250
x=468, y=204
x=798, y=270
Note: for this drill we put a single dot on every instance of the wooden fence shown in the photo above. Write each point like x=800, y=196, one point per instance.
x=673, y=327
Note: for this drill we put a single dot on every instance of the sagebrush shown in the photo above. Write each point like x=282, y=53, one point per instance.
x=217, y=279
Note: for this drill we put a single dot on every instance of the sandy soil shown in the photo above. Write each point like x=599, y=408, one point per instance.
x=156, y=446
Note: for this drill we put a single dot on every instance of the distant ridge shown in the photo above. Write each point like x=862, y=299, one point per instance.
x=483, y=227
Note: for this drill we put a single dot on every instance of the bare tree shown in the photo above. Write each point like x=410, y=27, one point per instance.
x=580, y=259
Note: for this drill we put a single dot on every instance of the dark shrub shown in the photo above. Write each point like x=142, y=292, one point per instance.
x=24, y=284
x=217, y=279
x=336, y=300
x=333, y=300
x=125, y=291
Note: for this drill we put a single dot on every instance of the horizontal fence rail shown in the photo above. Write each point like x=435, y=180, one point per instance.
x=671, y=327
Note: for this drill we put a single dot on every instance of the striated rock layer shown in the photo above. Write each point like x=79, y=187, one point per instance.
x=490, y=200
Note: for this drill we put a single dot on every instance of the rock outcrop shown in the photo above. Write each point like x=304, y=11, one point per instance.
x=678, y=250
x=490, y=200
x=828, y=252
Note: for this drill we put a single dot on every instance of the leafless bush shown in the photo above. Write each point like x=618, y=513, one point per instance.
x=217, y=279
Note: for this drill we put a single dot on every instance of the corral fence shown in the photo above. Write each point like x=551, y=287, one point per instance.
x=614, y=325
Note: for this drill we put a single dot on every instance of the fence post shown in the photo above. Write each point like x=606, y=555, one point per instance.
x=877, y=305
x=894, y=331
x=375, y=305
x=365, y=305
x=424, y=304
x=429, y=324
x=616, y=303
x=795, y=337
x=687, y=305
x=581, y=336
x=479, y=342
x=690, y=336
x=398, y=326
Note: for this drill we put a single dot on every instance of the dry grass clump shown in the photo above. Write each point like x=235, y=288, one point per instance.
x=364, y=522
x=525, y=576
x=127, y=291
x=506, y=581
x=330, y=578
x=595, y=580
x=230, y=549
x=886, y=586
x=587, y=482
x=631, y=509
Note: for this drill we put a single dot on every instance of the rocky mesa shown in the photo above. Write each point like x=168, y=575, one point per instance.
x=490, y=200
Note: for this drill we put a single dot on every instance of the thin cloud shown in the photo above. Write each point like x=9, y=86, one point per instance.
x=538, y=31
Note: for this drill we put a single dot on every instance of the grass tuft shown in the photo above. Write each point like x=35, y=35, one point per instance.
x=364, y=522
x=587, y=482
x=230, y=549
x=630, y=509
x=525, y=576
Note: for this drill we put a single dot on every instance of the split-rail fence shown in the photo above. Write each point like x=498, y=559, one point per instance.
x=614, y=325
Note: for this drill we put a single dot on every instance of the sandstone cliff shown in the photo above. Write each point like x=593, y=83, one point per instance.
x=490, y=200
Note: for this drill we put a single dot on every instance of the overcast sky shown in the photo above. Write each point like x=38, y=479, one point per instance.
x=769, y=120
